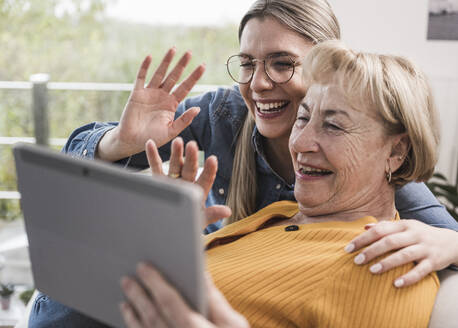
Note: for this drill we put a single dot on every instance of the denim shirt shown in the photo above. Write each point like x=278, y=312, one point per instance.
x=215, y=129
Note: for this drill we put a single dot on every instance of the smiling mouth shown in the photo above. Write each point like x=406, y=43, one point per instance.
x=314, y=172
x=271, y=108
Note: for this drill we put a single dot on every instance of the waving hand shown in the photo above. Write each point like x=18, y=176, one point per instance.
x=150, y=110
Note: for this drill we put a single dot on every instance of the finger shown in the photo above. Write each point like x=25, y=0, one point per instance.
x=375, y=233
x=176, y=158
x=159, y=74
x=401, y=257
x=141, y=75
x=216, y=213
x=191, y=162
x=140, y=302
x=186, y=86
x=386, y=244
x=128, y=315
x=208, y=175
x=420, y=271
x=169, y=302
x=154, y=159
x=175, y=74
x=219, y=308
x=183, y=121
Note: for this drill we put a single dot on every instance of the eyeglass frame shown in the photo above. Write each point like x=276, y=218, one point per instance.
x=254, y=60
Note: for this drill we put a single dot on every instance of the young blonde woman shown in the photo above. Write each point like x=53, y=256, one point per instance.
x=247, y=127
x=367, y=125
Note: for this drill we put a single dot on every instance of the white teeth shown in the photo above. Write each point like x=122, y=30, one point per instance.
x=308, y=169
x=270, y=106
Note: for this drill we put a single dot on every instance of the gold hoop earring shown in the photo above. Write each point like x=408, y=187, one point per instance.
x=388, y=175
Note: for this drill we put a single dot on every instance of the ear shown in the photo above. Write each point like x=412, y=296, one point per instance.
x=399, y=150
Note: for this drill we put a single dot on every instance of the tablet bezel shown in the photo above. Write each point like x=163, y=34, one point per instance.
x=78, y=258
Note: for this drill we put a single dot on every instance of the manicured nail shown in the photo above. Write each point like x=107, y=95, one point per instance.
x=349, y=248
x=369, y=225
x=360, y=258
x=141, y=267
x=375, y=268
x=124, y=282
x=399, y=283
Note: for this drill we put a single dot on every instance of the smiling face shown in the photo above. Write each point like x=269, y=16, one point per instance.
x=274, y=106
x=339, y=154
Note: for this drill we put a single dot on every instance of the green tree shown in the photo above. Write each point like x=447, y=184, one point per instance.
x=74, y=41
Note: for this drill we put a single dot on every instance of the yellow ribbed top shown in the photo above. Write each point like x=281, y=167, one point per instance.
x=304, y=278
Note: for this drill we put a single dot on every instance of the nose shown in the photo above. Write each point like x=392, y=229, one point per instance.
x=304, y=140
x=260, y=80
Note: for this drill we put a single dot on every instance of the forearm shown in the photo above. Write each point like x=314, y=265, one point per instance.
x=84, y=140
x=415, y=201
x=455, y=247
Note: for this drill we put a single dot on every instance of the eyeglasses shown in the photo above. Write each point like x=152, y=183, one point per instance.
x=279, y=68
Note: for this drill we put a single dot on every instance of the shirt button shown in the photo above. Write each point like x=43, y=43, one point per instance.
x=221, y=191
x=292, y=228
x=278, y=186
x=85, y=152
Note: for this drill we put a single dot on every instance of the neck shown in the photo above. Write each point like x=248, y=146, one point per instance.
x=279, y=158
x=380, y=205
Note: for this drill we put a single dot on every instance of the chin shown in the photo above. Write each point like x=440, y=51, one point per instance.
x=272, y=130
x=310, y=201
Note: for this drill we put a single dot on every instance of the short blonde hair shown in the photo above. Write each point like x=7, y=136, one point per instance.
x=399, y=92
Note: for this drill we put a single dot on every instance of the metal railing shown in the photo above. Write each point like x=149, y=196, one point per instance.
x=39, y=85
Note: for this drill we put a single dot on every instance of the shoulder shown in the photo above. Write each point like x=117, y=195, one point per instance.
x=224, y=103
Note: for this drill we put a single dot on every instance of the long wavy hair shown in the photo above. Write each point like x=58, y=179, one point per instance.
x=315, y=21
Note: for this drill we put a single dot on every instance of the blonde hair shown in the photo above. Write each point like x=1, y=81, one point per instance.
x=316, y=22
x=395, y=88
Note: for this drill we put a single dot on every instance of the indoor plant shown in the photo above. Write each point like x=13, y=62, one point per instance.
x=5, y=293
x=446, y=192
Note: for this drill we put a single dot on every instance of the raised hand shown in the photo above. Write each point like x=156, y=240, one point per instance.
x=150, y=110
x=186, y=169
x=412, y=241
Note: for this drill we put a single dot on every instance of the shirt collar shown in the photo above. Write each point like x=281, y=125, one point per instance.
x=256, y=140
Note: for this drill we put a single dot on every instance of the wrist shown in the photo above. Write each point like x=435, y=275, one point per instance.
x=110, y=148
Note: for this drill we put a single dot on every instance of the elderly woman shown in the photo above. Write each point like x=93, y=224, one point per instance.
x=366, y=126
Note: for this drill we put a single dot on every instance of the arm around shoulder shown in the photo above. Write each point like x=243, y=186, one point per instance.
x=416, y=201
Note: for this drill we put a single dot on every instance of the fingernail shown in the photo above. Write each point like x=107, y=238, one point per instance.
x=349, y=248
x=124, y=282
x=368, y=226
x=359, y=259
x=141, y=267
x=375, y=268
x=399, y=283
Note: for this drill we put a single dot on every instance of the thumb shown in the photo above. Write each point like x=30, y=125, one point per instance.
x=216, y=213
x=183, y=121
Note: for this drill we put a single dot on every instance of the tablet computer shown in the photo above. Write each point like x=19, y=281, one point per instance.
x=89, y=223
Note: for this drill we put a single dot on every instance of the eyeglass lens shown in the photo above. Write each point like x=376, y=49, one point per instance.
x=280, y=69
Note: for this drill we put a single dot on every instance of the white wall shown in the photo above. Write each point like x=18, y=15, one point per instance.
x=400, y=27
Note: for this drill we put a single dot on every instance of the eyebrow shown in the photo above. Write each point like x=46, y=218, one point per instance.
x=274, y=54
x=331, y=112
x=327, y=112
